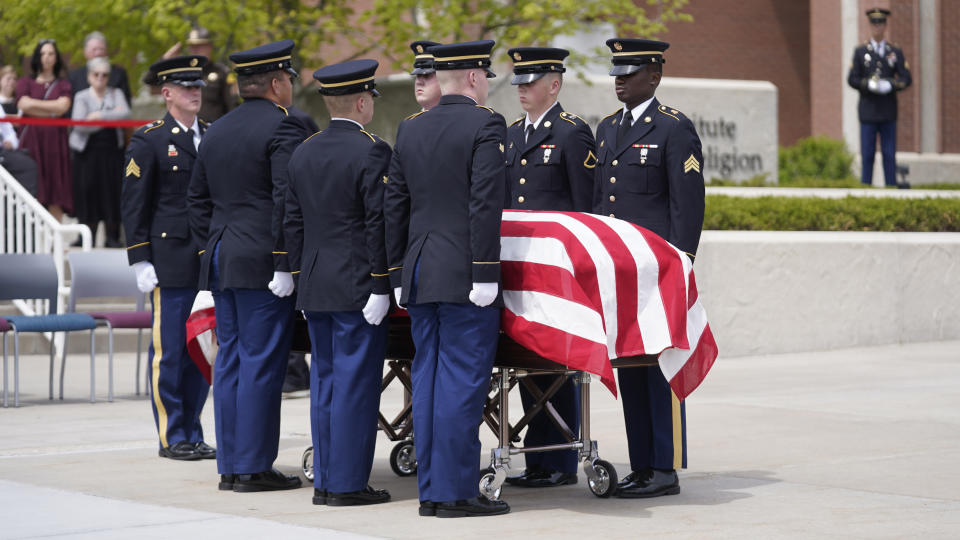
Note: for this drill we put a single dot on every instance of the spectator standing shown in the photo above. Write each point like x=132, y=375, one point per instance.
x=99, y=152
x=8, y=89
x=95, y=46
x=47, y=94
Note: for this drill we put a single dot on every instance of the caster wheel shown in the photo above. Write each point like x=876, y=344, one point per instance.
x=490, y=487
x=306, y=464
x=604, y=483
x=403, y=458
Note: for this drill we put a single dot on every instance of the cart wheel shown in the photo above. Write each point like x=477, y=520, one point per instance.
x=403, y=458
x=489, y=486
x=307, y=463
x=605, y=482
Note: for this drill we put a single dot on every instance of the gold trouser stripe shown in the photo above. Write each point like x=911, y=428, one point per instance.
x=155, y=370
x=677, y=432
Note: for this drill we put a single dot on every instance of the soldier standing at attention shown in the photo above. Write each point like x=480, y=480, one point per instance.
x=878, y=71
x=236, y=197
x=335, y=236
x=159, y=161
x=550, y=162
x=443, y=205
x=426, y=90
x=649, y=173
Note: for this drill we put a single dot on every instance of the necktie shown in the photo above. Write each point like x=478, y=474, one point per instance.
x=189, y=133
x=530, y=130
x=625, y=124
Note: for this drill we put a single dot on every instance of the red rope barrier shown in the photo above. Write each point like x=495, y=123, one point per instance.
x=34, y=121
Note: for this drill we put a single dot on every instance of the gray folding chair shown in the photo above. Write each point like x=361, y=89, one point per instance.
x=106, y=273
x=29, y=277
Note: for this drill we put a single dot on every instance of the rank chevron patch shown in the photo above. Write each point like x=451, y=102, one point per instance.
x=691, y=164
x=133, y=168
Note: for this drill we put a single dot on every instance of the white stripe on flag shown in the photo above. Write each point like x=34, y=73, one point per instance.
x=651, y=313
x=556, y=312
x=606, y=276
x=549, y=251
x=672, y=360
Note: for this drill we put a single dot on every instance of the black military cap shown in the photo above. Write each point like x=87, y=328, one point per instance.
x=423, y=61
x=878, y=15
x=350, y=77
x=629, y=55
x=198, y=36
x=265, y=58
x=467, y=55
x=531, y=63
x=182, y=70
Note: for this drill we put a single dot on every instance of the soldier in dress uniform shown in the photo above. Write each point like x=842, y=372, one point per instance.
x=219, y=97
x=550, y=162
x=236, y=200
x=159, y=161
x=878, y=71
x=335, y=236
x=426, y=90
x=443, y=205
x=649, y=173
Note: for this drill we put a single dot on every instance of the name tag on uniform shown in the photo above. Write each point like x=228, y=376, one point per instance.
x=172, y=150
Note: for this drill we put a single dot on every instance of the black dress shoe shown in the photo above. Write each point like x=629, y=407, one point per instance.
x=537, y=478
x=226, y=482
x=319, y=496
x=428, y=508
x=649, y=483
x=205, y=450
x=367, y=495
x=272, y=480
x=480, y=506
x=183, y=451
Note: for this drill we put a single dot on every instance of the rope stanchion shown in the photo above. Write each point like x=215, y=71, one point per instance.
x=35, y=121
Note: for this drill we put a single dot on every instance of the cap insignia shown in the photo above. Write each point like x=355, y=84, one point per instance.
x=517, y=57
x=419, y=49
x=193, y=62
x=617, y=46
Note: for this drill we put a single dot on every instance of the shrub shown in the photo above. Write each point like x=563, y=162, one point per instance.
x=815, y=157
x=816, y=214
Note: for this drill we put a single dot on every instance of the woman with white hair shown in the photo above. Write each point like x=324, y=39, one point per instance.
x=99, y=152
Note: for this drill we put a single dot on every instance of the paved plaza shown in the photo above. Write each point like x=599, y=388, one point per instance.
x=855, y=443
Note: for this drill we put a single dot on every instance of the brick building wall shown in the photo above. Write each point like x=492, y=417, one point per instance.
x=949, y=77
x=826, y=69
x=754, y=40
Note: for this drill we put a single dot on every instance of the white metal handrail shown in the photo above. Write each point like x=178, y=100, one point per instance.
x=27, y=227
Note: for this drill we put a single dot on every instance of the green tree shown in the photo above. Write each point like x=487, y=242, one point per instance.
x=514, y=23
x=139, y=31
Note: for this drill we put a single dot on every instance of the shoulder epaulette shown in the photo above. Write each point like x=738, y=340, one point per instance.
x=487, y=108
x=570, y=117
x=372, y=138
x=282, y=108
x=152, y=126
x=614, y=113
x=312, y=136
x=518, y=120
x=672, y=113
x=414, y=115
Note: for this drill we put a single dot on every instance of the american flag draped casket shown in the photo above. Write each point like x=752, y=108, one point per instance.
x=581, y=290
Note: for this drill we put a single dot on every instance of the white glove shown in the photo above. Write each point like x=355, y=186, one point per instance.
x=282, y=284
x=397, y=293
x=146, y=276
x=872, y=85
x=483, y=294
x=884, y=87
x=376, y=308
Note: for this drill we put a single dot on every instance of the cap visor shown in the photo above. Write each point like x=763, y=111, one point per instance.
x=190, y=84
x=422, y=71
x=526, y=78
x=292, y=71
x=490, y=74
x=375, y=93
x=624, y=69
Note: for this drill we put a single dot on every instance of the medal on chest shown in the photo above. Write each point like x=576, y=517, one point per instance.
x=172, y=150
x=548, y=149
x=644, y=149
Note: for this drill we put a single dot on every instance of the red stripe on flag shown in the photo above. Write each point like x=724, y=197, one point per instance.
x=561, y=347
x=695, y=369
x=543, y=278
x=671, y=285
x=692, y=293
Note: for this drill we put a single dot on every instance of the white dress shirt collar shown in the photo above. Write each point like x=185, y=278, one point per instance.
x=536, y=124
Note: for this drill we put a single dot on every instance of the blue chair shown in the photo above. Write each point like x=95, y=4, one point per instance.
x=29, y=277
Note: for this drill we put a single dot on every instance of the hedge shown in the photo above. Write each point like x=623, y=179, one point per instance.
x=817, y=214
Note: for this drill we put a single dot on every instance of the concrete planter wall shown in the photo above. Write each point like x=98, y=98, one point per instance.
x=777, y=292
